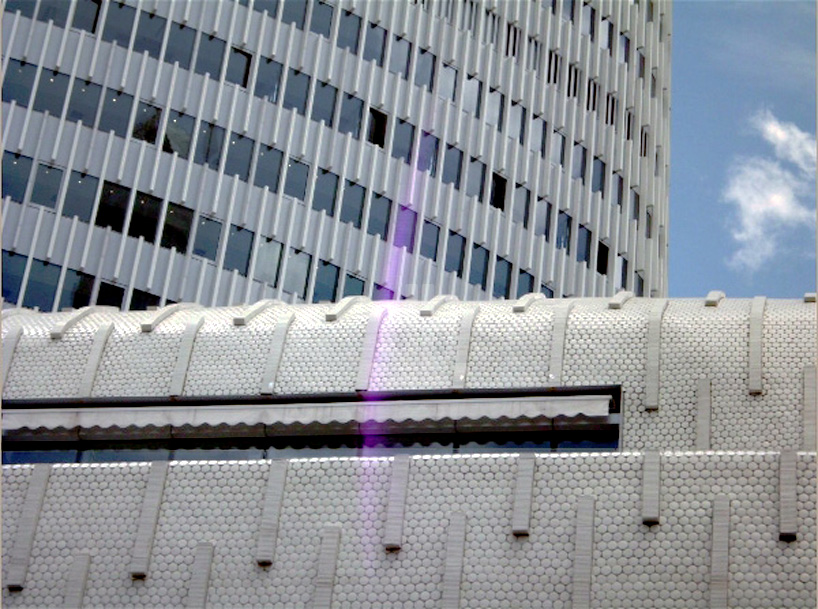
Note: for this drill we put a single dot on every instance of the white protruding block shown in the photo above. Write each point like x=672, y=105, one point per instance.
x=254, y=310
x=23, y=542
x=179, y=374
x=162, y=314
x=810, y=398
x=583, y=553
x=809, y=297
x=268, y=377
x=270, y=514
x=396, y=505
x=148, y=517
x=703, y=414
x=561, y=314
x=75, y=581
x=373, y=326
x=461, y=362
x=619, y=299
x=344, y=305
x=651, y=485
x=59, y=330
x=714, y=297
x=720, y=554
x=652, y=380
x=327, y=563
x=787, y=496
x=756, y=339
x=522, y=304
x=200, y=577
x=523, y=491
x=9, y=345
x=435, y=303
x=453, y=561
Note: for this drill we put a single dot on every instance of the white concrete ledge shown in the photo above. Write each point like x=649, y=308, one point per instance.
x=75, y=581
x=89, y=375
x=396, y=502
x=327, y=564
x=720, y=554
x=344, y=305
x=522, y=304
x=523, y=492
x=254, y=310
x=179, y=374
x=461, y=361
x=562, y=311
x=787, y=496
x=453, y=561
x=200, y=577
x=619, y=299
x=9, y=346
x=23, y=542
x=373, y=327
x=59, y=330
x=162, y=314
x=270, y=374
x=810, y=399
x=756, y=343
x=431, y=307
x=703, y=416
x=148, y=517
x=809, y=297
x=654, y=353
x=270, y=513
x=714, y=297
x=651, y=486
x=583, y=553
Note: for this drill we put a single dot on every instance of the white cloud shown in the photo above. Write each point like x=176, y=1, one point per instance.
x=771, y=196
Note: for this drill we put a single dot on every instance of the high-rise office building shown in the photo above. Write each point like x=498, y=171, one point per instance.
x=223, y=152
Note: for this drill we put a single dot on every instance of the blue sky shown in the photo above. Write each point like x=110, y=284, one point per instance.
x=742, y=197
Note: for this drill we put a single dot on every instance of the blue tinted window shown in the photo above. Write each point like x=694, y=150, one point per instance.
x=119, y=24
x=502, y=278
x=180, y=45
x=239, y=156
x=208, y=233
x=429, y=240
x=375, y=45
x=427, y=153
x=323, y=103
x=349, y=31
x=210, y=57
x=542, y=219
x=18, y=81
x=54, y=10
x=525, y=284
x=16, y=171
x=271, y=6
x=425, y=69
x=176, y=232
x=405, y=228
x=79, y=200
x=454, y=253
x=294, y=11
x=146, y=123
x=84, y=102
x=479, y=271
x=268, y=168
x=321, y=20
x=268, y=79
x=380, y=292
x=403, y=140
x=14, y=265
x=145, y=217
x=296, y=181
x=564, y=232
x=76, y=290
x=326, y=282
x=399, y=59
x=379, y=212
x=352, y=207
x=116, y=112
x=26, y=7
x=110, y=295
x=51, y=93
x=47, y=183
x=476, y=179
x=209, y=145
x=178, y=134
x=297, y=278
x=238, y=67
x=149, y=34
x=239, y=246
x=42, y=285
x=326, y=190
x=349, y=120
x=295, y=95
x=452, y=163
x=268, y=261
x=353, y=286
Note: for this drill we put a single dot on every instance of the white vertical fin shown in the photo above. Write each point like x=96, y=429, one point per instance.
x=523, y=490
x=271, y=511
x=23, y=542
x=395, y=508
x=148, y=517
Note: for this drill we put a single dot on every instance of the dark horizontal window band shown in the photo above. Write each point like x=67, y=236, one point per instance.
x=614, y=391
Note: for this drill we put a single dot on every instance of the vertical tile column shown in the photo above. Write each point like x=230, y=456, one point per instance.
x=327, y=562
x=787, y=496
x=75, y=581
x=271, y=511
x=703, y=416
x=393, y=530
x=23, y=542
x=523, y=490
x=200, y=577
x=453, y=562
x=583, y=553
x=651, y=486
x=719, y=554
x=148, y=517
